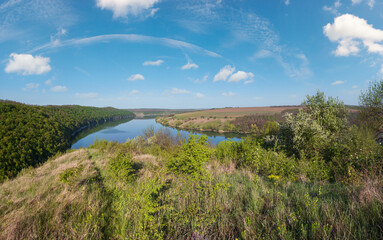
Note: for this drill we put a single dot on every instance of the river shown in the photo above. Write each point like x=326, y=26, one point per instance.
x=128, y=129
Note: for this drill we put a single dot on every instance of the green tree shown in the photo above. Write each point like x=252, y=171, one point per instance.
x=315, y=126
x=371, y=102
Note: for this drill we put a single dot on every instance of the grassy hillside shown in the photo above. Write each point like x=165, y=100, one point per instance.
x=30, y=134
x=160, y=187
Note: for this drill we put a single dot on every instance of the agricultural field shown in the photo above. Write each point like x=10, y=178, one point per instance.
x=154, y=112
x=239, y=120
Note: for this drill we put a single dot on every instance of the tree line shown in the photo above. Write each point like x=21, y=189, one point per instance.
x=29, y=135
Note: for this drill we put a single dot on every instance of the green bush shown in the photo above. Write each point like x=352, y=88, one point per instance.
x=121, y=167
x=191, y=156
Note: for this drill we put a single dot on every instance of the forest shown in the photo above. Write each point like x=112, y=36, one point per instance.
x=29, y=134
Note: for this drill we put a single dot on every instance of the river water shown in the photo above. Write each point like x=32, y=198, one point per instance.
x=124, y=130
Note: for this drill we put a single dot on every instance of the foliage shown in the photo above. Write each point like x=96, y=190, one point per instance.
x=29, y=135
x=191, y=156
x=371, y=102
x=121, y=167
x=315, y=127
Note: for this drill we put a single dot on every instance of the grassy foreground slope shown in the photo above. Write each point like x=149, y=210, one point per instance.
x=158, y=187
x=30, y=134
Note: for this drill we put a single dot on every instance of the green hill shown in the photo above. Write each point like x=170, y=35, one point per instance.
x=30, y=134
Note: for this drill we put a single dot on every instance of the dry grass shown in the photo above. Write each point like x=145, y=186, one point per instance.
x=38, y=195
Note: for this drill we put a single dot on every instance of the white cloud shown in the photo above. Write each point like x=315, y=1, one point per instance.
x=240, y=75
x=134, y=38
x=122, y=8
x=48, y=82
x=86, y=95
x=200, y=80
x=189, y=66
x=153, y=63
x=356, y=2
x=257, y=98
x=350, y=31
x=228, y=94
x=224, y=73
x=248, y=81
x=262, y=54
x=371, y=4
x=334, y=8
x=134, y=92
x=354, y=87
x=381, y=69
x=287, y=2
x=177, y=91
x=59, y=88
x=136, y=77
x=31, y=86
x=199, y=95
x=26, y=64
x=337, y=82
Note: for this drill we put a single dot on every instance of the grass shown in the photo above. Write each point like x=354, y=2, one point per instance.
x=79, y=196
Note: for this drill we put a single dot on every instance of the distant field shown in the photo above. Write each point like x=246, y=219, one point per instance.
x=153, y=112
x=235, y=112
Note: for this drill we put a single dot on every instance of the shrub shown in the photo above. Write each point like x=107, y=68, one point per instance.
x=191, y=156
x=121, y=167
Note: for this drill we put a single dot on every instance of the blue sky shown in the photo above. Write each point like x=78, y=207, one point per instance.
x=188, y=54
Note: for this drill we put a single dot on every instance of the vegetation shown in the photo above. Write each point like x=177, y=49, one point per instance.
x=29, y=135
x=314, y=176
x=372, y=105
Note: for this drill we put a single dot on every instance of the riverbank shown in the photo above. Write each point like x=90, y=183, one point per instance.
x=257, y=120
x=30, y=134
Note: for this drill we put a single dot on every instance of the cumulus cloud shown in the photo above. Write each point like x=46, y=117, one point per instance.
x=189, y=66
x=136, y=77
x=240, y=75
x=31, y=86
x=199, y=95
x=337, y=82
x=86, y=95
x=122, y=8
x=228, y=94
x=224, y=73
x=59, y=88
x=27, y=64
x=350, y=32
x=248, y=81
x=177, y=91
x=153, y=63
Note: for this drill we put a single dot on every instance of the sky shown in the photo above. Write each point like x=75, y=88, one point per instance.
x=188, y=54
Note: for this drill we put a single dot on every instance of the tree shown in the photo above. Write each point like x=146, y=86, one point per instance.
x=371, y=102
x=315, y=126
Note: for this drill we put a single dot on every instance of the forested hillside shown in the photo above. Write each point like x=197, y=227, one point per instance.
x=30, y=134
